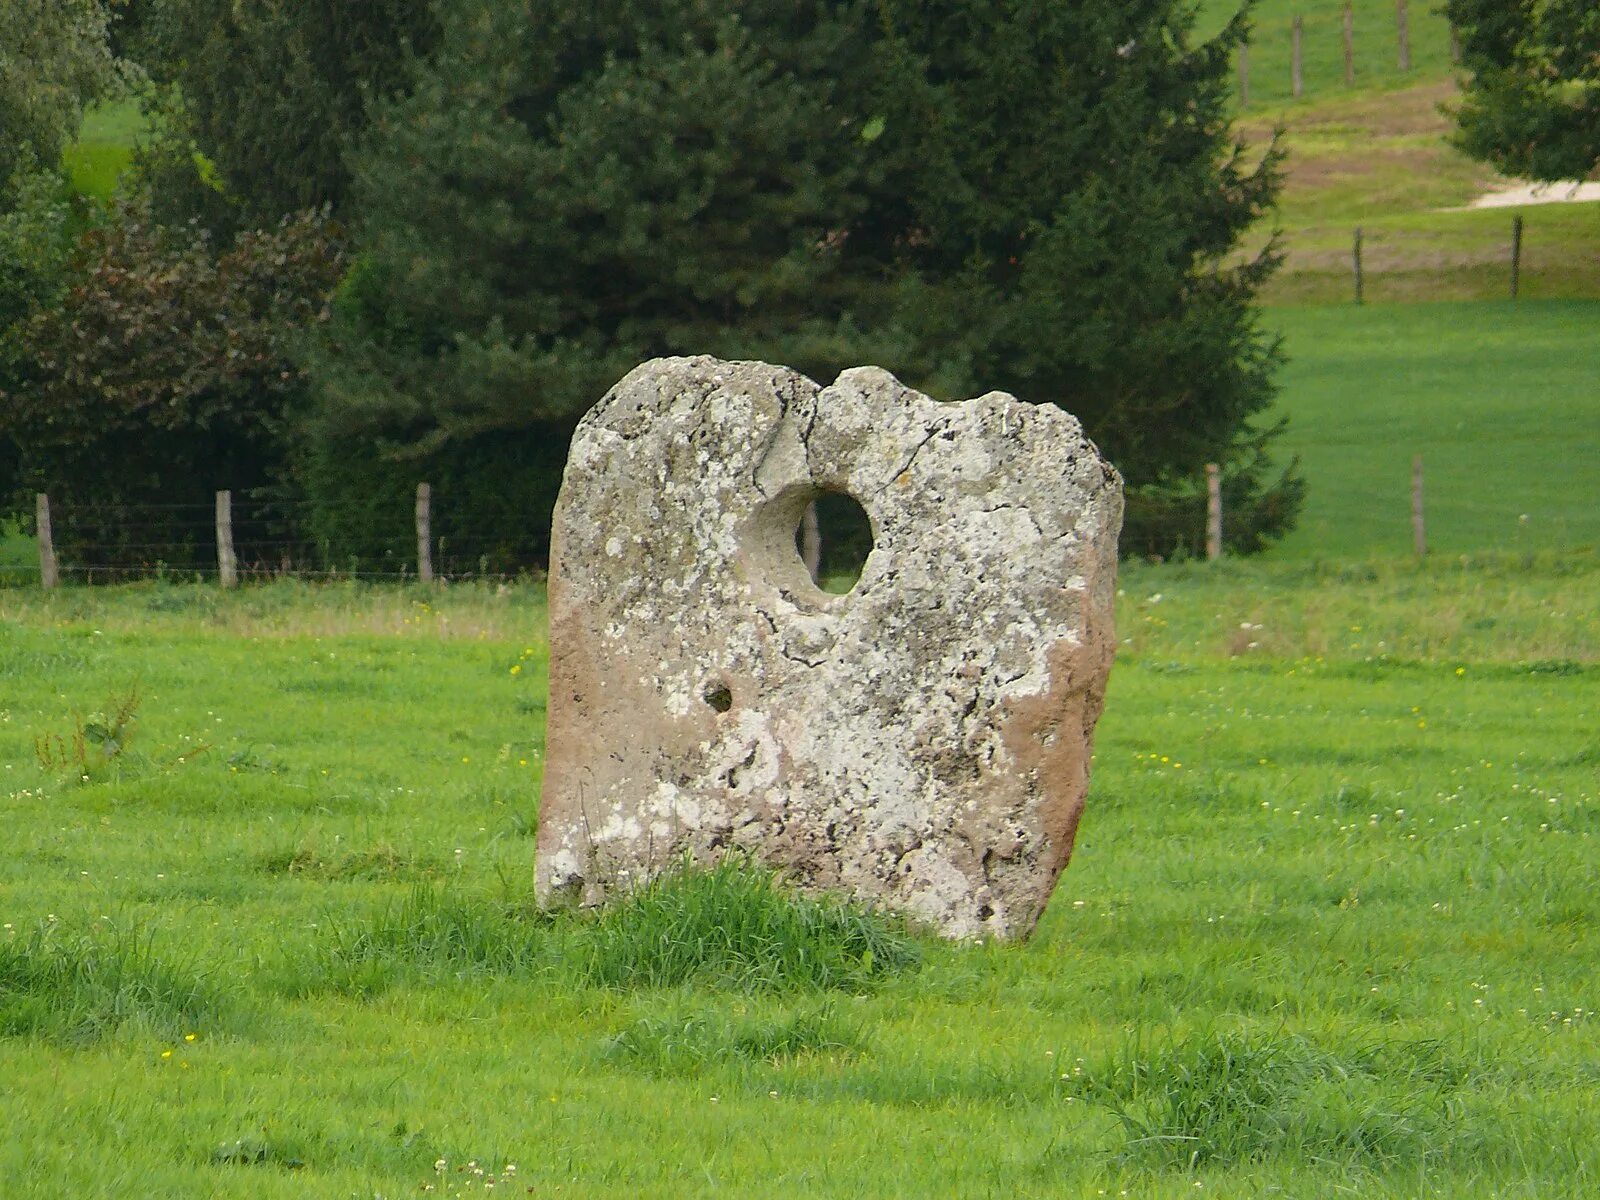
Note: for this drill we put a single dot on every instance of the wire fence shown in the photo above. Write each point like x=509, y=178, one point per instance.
x=251, y=537
x=1323, y=50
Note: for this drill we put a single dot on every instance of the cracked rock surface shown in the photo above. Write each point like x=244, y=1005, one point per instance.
x=922, y=742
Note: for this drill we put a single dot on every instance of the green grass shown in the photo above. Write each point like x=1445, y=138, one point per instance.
x=689, y=1036
x=1330, y=925
x=733, y=927
x=19, y=555
x=1235, y=1099
x=104, y=149
x=81, y=986
x=1499, y=399
x=1322, y=48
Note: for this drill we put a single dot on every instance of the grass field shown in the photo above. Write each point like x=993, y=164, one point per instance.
x=1376, y=47
x=104, y=149
x=1501, y=400
x=1330, y=927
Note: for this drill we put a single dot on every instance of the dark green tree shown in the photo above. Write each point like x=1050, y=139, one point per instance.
x=268, y=94
x=1064, y=209
x=1033, y=195
x=55, y=58
x=1531, y=102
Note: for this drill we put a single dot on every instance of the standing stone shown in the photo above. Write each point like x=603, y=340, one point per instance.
x=922, y=742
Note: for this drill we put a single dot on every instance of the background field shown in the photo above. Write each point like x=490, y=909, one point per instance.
x=1376, y=47
x=1330, y=926
x=1501, y=400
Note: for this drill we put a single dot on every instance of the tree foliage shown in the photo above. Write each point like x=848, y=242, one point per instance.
x=35, y=246
x=269, y=94
x=1531, y=103
x=1066, y=201
x=1033, y=195
x=55, y=57
x=166, y=370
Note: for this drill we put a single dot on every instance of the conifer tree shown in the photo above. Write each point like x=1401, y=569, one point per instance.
x=269, y=95
x=1036, y=195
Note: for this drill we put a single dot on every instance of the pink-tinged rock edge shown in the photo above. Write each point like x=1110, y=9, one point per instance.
x=922, y=743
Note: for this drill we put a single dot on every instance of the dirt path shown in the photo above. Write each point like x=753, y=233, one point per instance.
x=1538, y=193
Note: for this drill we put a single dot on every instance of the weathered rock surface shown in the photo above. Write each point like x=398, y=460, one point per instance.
x=922, y=742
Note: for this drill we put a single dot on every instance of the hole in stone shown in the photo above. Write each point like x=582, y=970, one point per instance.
x=834, y=538
x=719, y=697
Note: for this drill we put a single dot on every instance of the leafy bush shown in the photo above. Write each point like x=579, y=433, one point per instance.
x=1531, y=96
x=55, y=57
x=165, y=372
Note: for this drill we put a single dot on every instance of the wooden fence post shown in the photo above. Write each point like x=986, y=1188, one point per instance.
x=1419, y=538
x=1296, y=79
x=1349, y=45
x=1455, y=46
x=49, y=574
x=811, y=542
x=424, y=533
x=227, y=564
x=1244, y=74
x=1355, y=259
x=1516, y=254
x=1403, y=30
x=1213, y=512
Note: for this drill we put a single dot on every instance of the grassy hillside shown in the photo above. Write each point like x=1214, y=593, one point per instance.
x=1330, y=928
x=1381, y=161
x=1375, y=40
x=1502, y=401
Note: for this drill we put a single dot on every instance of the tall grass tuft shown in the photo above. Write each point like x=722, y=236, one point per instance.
x=429, y=933
x=77, y=987
x=734, y=925
x=1237, y=1099
x=683, y=1040
x=729, y=926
